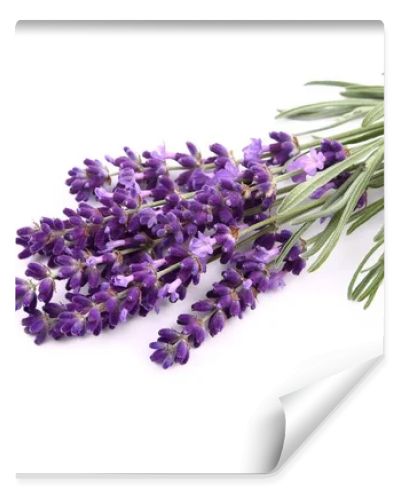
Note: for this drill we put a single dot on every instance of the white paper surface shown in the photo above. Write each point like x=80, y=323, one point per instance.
x=97, y=404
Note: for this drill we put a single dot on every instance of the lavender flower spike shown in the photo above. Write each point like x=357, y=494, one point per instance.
x=83, y=181
x=250, y=272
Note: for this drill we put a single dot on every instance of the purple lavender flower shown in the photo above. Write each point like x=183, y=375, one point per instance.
x=202, y=246
x=284, y=147
x=46, y=289
x=193, y=328
x=222, y=160
x=37, y=324
x=254, y=151
x=197, y=172
x=45, y=277
x=224, y=199
x=160, y=154
x=225, y=237
x=37, y=271
x=25, y=294
x=333, y=152
x=130, y=304
x=83, y=181
x=362, y=201
x=131, y=156
x=127, y=176
x=293, y=262
x=46, y=238
x=163, y=187
x=171, y=290
x=169, y=227
x=194, y=176
x=216, y=323
x=309, y=163
x=171, y=347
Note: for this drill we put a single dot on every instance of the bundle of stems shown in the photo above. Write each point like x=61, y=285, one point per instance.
x=148, y=225
x=364, y=105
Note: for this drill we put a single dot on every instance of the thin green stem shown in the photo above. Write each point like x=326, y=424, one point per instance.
x=354, y=115
x=289, y=175
x=172, y=168
x=168, y=269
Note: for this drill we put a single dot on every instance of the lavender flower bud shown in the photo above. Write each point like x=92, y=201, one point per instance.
x=283, y=149
x=219, y=150
x=216, y=323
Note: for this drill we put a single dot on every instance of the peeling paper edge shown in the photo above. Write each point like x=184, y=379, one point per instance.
x=305, y=409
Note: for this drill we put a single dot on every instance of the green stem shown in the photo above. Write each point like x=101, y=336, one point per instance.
x=354, y=115
x=168, y=269
x=289, y=175
x=287, y=216
x=367, y=132
x=172, y=168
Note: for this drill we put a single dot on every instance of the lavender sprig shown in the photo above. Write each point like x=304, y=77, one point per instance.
x=249, y=273
x=147, y=226
x=129, y=260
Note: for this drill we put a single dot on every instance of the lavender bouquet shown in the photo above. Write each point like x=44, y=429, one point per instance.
x=146, y=226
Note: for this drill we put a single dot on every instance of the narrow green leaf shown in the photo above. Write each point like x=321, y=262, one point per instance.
x=333, y=204
x=373, y=286
x=359, y=218
x=377, y=182
x=374, y=142
x=373, y=293
x=380, y=234
x=319, y=239
x=348, y=117
x=360, y=92
x=324, y=212
x=360, y=132
x=370, y=298
x=363, y=285
x=322, y=237
x=289, y=215
x=289, y=244
x=331, y=83
x=366, y=87
x=350, y=289
x=355, y=139
x=303, y=191
x=356, y=189
x=325, y=105
x=374, y=266
x=322, y=114
x=375, y=114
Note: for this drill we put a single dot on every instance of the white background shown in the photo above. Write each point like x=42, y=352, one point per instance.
x=307, y=468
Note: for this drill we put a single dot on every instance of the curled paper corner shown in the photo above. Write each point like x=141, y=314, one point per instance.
x=305, y=409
